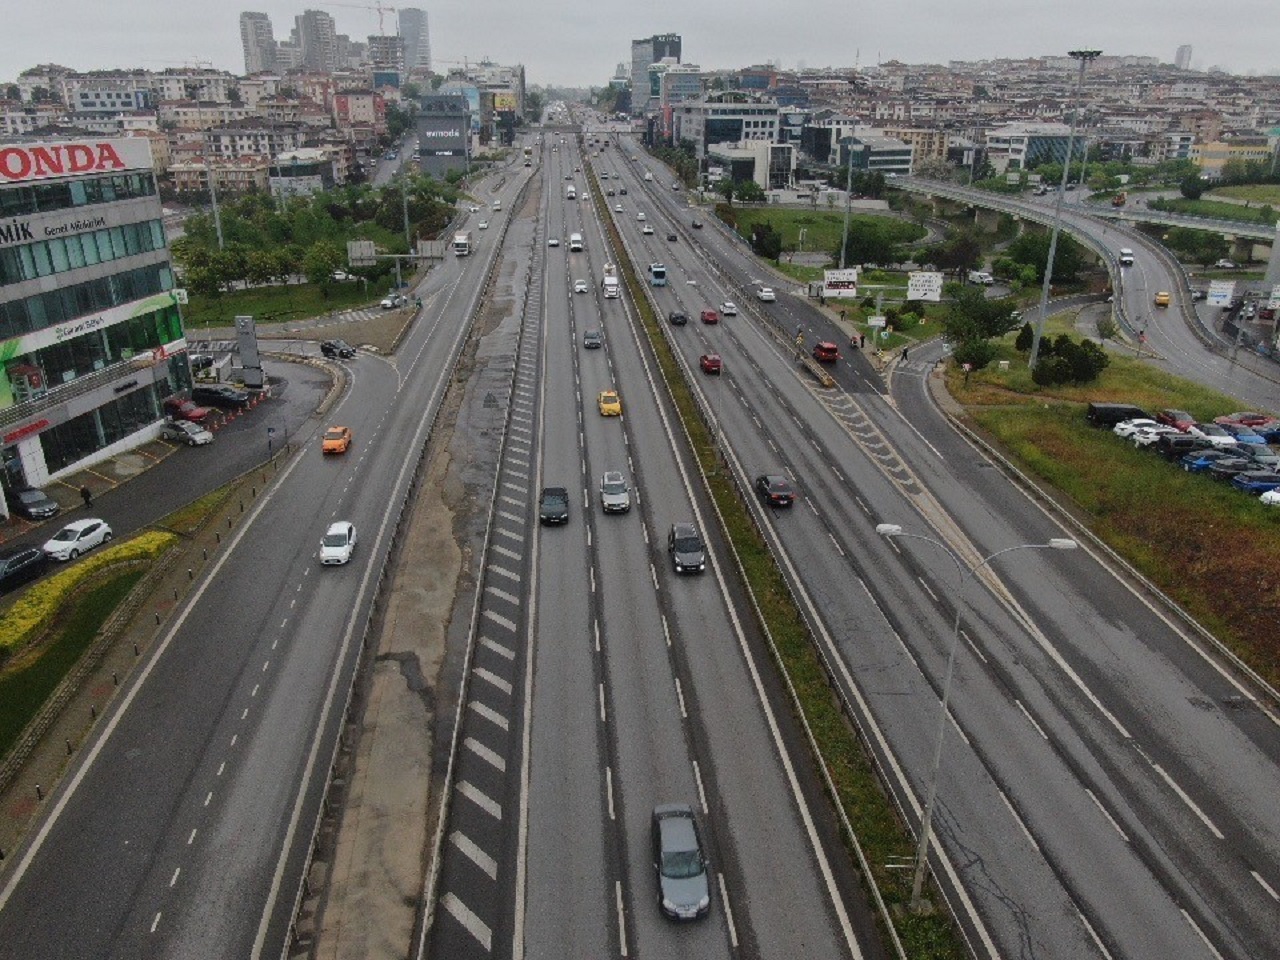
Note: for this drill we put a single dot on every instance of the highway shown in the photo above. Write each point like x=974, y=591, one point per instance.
x=1091, y=799
x=185, y=830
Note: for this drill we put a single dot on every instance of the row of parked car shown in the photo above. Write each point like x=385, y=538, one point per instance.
x=1234, y=448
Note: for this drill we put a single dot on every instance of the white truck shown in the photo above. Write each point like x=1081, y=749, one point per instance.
x=981, y=277
x=1126, y=257
x=610, y=282
x=571, y=192
x=575, y=243
x=462, y=243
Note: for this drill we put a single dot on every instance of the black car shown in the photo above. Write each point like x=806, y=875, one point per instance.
x=1228, y=467
x=672, y=237
x=21, y=566
x=339, y=349
x=33, y=504
x=685, y=546
x=677, y=318
x=774, y=490
x=553, y=506
x=697, y=224
x=1262, y=456
x=221, y=395
x=592, y=339
x=1174, y=446
x=622, y=191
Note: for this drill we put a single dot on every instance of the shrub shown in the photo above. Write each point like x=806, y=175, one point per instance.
x=1026, y=336
x=976, y=353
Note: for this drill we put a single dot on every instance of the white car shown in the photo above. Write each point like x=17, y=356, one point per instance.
x=75, y=538
x=580, y=286
x=1127, y=428
x=483, y=225
x=729, y=308
x=1147, y=436
x=338, y=543
x=341, y=275
x=473, y=208
x=640, y=215
x=617, y=208
x=393, y=300
x=1213, y=434
x=647, y=231
x=1271, y=498
x=553, y=242
x=766, y=295
x=1226, y=265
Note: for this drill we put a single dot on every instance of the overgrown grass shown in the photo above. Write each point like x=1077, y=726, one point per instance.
x=1215, y=209
x=1258, y=194
x=188, y=519
x=823, y=229
x=278, y=303
x=24, y=689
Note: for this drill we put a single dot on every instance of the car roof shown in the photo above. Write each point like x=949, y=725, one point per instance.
x=81, y=524
x=682, y=530
x=339, y=526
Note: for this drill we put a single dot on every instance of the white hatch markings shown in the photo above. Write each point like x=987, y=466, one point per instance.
x=490, y=714
x=500, y=620
x=508, y=515
x=513, y=486
x=490, y=757
x=509, y=554
x=473, y=853
x=156, y=922
x=1107, y=813
x=470, y=922
x=511, y=500
x=1196, y=927
x=499, y=649
x=608, y=791
x=728, y=912
x=503, y=595
x=480, y=799
x=622, y=917
x=604, y=717
x=1271, y=891
x=1182, y=795
x=1014, y=813
x=523, y=475
x=680, y=696
x=504, y=572
x=1032, y=720
x=174, y=879
x=494, y=679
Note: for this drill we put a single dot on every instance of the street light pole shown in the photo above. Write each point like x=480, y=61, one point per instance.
x=965, y=574
x=1084, y=56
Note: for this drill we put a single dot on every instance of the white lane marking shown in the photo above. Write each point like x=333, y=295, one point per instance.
x=174, y=879
x=1018, y=819
x=622, y=917
x=511, y=534
x=505, y=652
x=1264, y=885
x=192, y=838
x=155, y=923
x=728, y=912
x=480, y=799
x=1107, y=813
x=1093, y=933
x=927, y=589
x=1204, y=817
x=208, y=798
x=595, y=626
x=509, y=554
x=504, y=572
x=473, y=853
x=490, y=714
x=470, y=922
x=835, y=543
x=702, y=793
x=221, y=767
x=666, y=630
x=503, y=595
x=254, y=692
x=608, y=790
x=1030, y=719
x=492, y=678
x=265, y=664
x=490, y=757
x=591, y=571
x=603, y=716
x=1196, y=927
x=684, y=714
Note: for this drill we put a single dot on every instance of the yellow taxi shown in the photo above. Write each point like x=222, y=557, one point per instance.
x=610, y=405
x=1163, y=298
x=336, y=440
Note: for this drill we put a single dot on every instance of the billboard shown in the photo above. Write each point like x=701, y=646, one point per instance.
x=504, y=101
x=840, y=283
x=924, y=285
x=1221, y=292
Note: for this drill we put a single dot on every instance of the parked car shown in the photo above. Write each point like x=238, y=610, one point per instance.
x=21, y=566
x=677, y=318
x=1271, y=498
x=1225, y=265
x=32, y=503
x=1147, y=436
x=1248, y=418
x=709, y=316
x=824, y=351
x=766, y=295
x=338, y=543
x=221, y=395
x=77, y=537
x=1127, y=428
x=553, y=506
x=1109, y=414
x=684, y=887
x=1213, y=433
x=615, y=495
x=775, y=490
x=1228, y=467
x=684, y=543
x=1178, y=419
x=182, y=409
x=337, y=349
x=336, y=440
x=1199, y=461
x=1264, y=457
x=592, y=339
x=1177, y=445
x=1243, y=434
x=1256, y=481
x=183, y=431
x=711, y=363
x=609, y=403
x=200, y=361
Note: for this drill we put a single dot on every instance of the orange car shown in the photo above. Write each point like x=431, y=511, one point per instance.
x=336, y=440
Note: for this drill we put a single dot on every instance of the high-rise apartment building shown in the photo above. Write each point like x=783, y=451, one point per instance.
x=258, y=41
x=645, y=53
x=1182, y=59
x=318, y=38
x=417, y=40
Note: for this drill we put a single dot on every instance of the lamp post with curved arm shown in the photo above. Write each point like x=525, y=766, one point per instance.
x=965, y=574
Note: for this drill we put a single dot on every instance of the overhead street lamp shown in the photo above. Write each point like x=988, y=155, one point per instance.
x=1085, y=57
x=964, y=574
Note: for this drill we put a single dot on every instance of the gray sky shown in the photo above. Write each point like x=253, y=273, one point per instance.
x=572, y=43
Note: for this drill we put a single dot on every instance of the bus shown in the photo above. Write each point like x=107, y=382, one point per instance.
x=658, y=274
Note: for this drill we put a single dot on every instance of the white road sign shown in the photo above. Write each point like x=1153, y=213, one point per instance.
x=924, y=285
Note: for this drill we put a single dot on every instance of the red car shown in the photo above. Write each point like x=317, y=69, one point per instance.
x=825, y=351
x=1180, y=420
x=710, y=363
x=710, y=316
x=180, y=409
x=774, y=490
x=1247, y=419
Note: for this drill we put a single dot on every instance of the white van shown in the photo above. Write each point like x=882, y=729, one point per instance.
x=1126, y=257
x=982, y=277
x=575, y=243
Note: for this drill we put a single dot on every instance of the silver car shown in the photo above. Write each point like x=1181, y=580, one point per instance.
x=615, y=495
x=684, y=885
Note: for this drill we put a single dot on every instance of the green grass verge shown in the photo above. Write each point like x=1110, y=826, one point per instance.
x=188, y=519
x=1218, y=210
x=1258, y=194
x=279, y=303
x=883, y=837
x=24, y=690
x=823, y=229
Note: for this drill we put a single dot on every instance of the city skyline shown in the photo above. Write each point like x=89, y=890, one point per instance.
x=581, y=47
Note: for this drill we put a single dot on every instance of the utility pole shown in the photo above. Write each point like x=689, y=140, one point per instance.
x=213, y=197
x=1084, y=57
x=848, y=203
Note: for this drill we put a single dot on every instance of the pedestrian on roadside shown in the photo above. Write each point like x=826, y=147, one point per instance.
x=862, y=340
x=904, y=354
x=87, y=496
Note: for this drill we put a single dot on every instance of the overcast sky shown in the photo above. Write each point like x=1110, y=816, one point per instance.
x=575, y=43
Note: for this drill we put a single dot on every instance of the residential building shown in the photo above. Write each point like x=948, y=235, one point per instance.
x=258, y=41
x=300, y=173
x=417, y=40
x=644, y=53
x=386, y=52
x=1018, y=146
x=360, y=108
x=317, y=37
x=90, y=331
x=876, y=155
x=231, y=175
x=926, y=144
x=1212, y=157
x=253, y=138
x=210, y=85
x=1182, y=59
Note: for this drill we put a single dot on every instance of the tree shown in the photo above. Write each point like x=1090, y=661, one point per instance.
x=321, y=261
x=261, y=266
x=766, y=241
x=748, y=191
x=726, y=188
x=1026, y=336
x=1192, y=187
x=961, y=252
x=867, y=242
x=1032, y=249
x=972, y=317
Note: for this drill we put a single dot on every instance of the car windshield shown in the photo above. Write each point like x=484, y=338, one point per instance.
x=30, y=496
x=335, y=540
x=333, y=435
x=615, y=486
x=688, y=544
x=681, y=864
x=66, y=533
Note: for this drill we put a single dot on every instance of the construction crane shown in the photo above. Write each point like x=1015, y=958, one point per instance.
x=368, y=6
